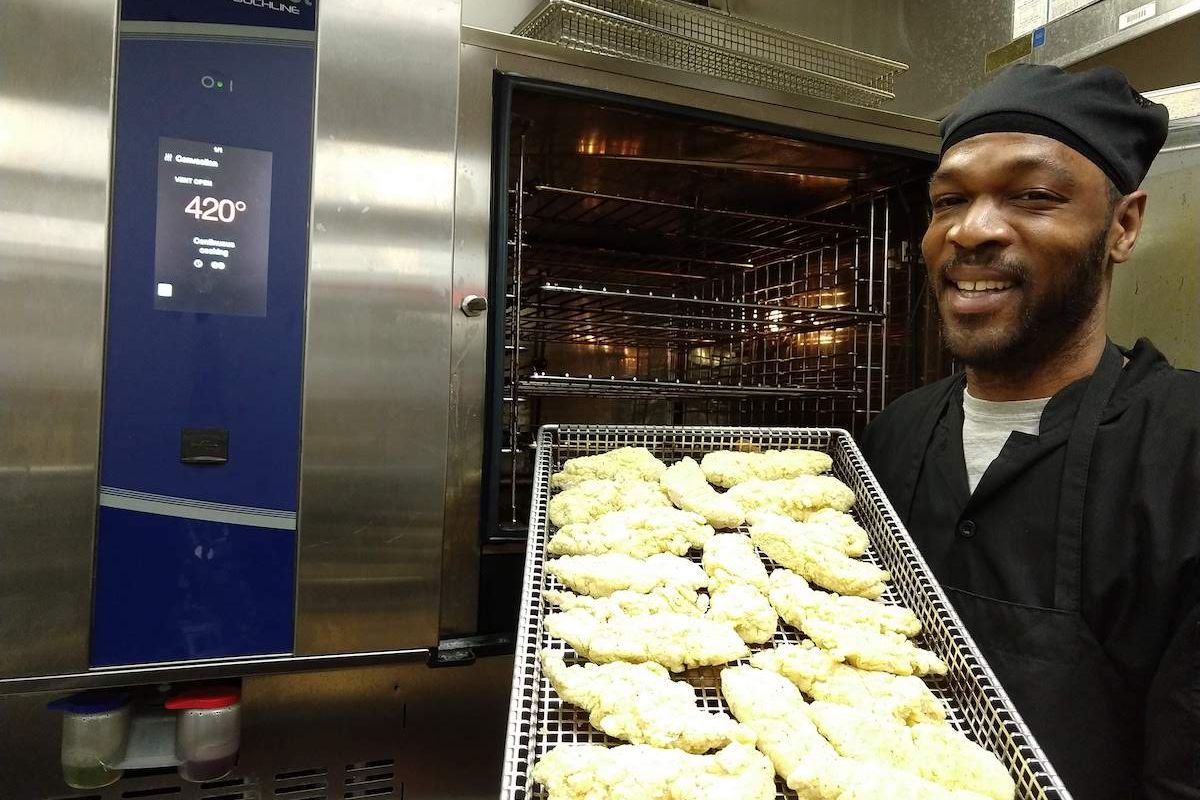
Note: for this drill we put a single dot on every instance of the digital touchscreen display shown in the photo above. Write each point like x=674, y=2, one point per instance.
x=213, y=228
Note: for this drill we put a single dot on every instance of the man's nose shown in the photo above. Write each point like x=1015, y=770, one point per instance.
x=982, y=224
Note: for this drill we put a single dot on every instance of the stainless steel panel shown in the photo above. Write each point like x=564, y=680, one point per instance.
x=55, y=122
x=403, y=731
x=203, y=671
x=1094, y=30
x=468, y=363
x=944, y=42
x=373, y=468
x=551, y=63
x=1157, y=292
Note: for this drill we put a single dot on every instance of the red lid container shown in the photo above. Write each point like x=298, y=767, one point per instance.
x=205, y=697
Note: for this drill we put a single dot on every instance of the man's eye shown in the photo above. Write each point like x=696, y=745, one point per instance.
x=946, y=200
x=1037, y=195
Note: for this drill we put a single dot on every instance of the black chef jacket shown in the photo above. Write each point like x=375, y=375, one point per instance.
x=1096, y=637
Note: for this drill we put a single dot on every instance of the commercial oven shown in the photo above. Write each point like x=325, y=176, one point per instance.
x=673, y=254
x=301, y=466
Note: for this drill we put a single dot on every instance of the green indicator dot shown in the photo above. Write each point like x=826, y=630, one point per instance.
x=220, y=84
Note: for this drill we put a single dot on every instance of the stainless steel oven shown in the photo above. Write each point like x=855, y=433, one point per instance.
x=658, y=247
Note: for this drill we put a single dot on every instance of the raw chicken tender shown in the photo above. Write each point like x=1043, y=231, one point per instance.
x=793, y=497
x=730, y=558
x=820, y=676
x=624, y=463
x=772, y=707
x=728, y=468
x=936, y=752
x=639, y=703
x=826, y=526
x=796, y=602
x=746, y=609
x=950, y=759
x=640, y=772
x=588, y=500
x=871, y=650
x=600, y=576
x=864, y=736
x=846, y=779
x=676, y=641
x=687, y=487
x=638, y=532
x=807, y=743
x=824, y=566
x=664, y=599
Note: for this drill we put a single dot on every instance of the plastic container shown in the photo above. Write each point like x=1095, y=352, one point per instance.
x=209, y=732
x=95, y=735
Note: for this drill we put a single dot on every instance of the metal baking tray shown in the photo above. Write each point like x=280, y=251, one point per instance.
x=977, y=705
x=687, y=37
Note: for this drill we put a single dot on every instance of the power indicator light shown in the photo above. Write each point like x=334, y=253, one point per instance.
x=220, y=84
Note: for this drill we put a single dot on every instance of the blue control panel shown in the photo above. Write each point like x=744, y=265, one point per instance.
x=196, y=540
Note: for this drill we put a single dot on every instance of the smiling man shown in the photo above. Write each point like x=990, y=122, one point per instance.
x=1054, y=486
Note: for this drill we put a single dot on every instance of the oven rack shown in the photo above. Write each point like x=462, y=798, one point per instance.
x=557, y=385
x=977, y=705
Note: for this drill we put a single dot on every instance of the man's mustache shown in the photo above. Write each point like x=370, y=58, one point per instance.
x=1009, y=268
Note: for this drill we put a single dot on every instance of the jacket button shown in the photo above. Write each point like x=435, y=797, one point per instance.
x=966, y=528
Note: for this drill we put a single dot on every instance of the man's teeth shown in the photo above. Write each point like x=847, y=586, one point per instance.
x=981, y=286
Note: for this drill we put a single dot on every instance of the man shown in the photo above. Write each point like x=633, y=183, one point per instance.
x=1053, y=488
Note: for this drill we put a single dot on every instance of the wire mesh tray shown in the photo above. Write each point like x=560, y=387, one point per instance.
x=694, y=39
x=976, y=704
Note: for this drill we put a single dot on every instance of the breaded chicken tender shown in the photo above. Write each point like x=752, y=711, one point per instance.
x=727, y=468
x=640, y=772
x=841, y=778
x=638, y=532
x=676, y=641
x=588, y=500
x=808, y=744
x=663, y=599
x=688, y=489
x=935, y=752
x=746, y=609
x=639, y=703
x=871, y=650
x=793, y=497
x=950, y=759
x=796, y=602
x=624, y=463
x=826, y=526
x=820, y=676
x=772, y=707
x=824, y=566
x=730, y=558
x=600, y=576
x=864, y=736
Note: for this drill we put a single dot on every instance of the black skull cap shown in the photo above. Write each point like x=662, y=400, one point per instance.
x=1096, y=113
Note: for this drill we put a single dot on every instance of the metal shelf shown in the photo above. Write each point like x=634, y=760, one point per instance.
x=700, y=41
x=694, y=234
x=785, y=312
x=632, y=388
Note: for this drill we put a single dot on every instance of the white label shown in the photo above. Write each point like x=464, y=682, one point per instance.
x=1028, y=15
x=1139, y=14
x=1060, y=8
x=166, y=289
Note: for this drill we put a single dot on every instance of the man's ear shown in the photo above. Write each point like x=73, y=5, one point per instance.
x=1127, y=224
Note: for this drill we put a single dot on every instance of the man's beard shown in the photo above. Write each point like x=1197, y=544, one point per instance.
x=1045, y=323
